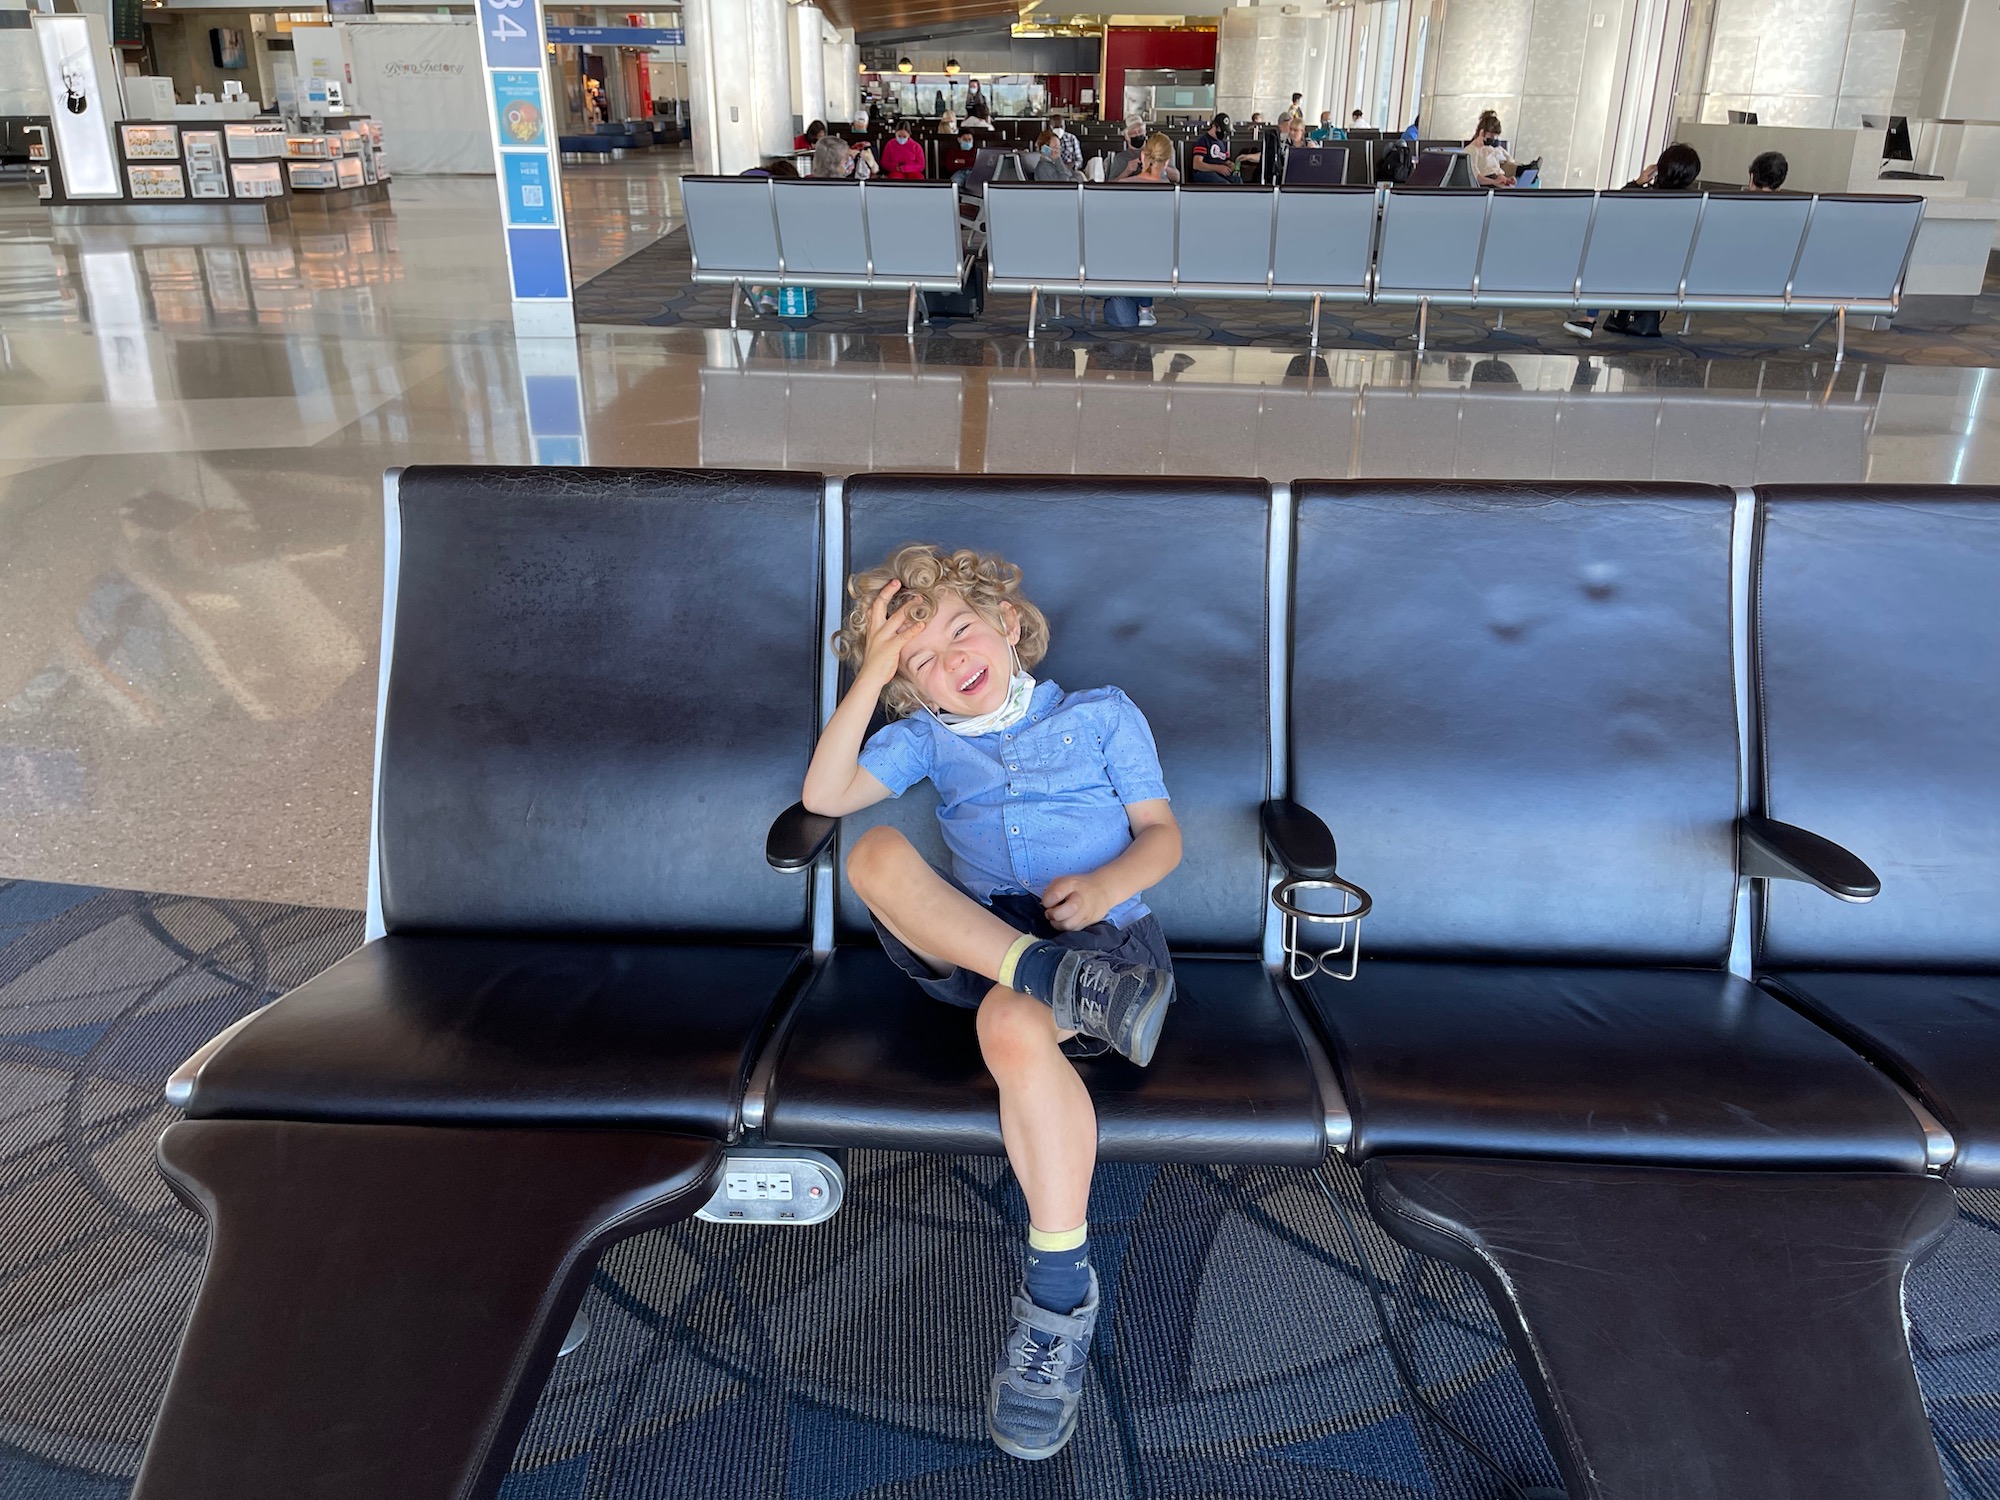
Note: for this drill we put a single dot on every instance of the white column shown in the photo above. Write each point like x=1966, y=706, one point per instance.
x=739, y=82
x=811, y=57
x=771, y=58
x=843, y=79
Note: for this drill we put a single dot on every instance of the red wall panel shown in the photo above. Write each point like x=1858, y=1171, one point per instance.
x=1149, y=47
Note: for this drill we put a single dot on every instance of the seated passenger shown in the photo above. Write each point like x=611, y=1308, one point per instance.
x=1209, y=161
x=1677, y=171
x=1327, y=130
x=1490, y=167
x=813, y=133
x=830, y=155
x=903, y=158
x=1356, y=121
x=1047, y=165
x=1154, y=168
x=959, y=157
x=1068, y=147
x=1057, y=820
x=1768, y=172
x=1154, y=162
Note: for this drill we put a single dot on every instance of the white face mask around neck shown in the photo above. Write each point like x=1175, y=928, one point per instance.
x=1020, y=690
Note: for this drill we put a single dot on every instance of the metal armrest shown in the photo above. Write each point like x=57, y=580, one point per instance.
x=798, y=837
x=1297, y=839
x=1770, y=850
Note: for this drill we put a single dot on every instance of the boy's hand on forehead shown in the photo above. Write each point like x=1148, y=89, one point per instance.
x=1074, y=902
x=886, y=636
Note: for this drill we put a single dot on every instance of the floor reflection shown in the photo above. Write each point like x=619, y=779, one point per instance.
x=193, y=433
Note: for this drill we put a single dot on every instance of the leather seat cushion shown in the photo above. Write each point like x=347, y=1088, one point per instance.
x=1938, y=1034
x=1682, y=1067
x=873, y=1061
x=1696, y=1333
x=440, y=1029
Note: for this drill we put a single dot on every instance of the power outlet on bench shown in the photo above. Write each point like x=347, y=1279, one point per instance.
x=776, y=1185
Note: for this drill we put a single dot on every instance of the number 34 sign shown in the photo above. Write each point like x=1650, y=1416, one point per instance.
x=511, y=33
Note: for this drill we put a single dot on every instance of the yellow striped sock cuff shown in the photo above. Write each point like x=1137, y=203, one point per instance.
x=1021, y=945
x=1058, y=1239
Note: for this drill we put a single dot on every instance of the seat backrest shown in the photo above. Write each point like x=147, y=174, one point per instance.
x=1639, y=248
x=1225, y=236
x=1034, y=233
x=1856, y=248
x=1128, y=233
x=912, y=229
x=1430, y=242
x=1877, y=630
x=821, y=228
x=1747, y=245
x=1155, y=586
x=1326, y=239
x=1514, y=705
x=1534, y=243
x=602, y=688
x=731, y=228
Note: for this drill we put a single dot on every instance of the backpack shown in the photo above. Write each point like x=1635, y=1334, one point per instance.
x=1395, y=163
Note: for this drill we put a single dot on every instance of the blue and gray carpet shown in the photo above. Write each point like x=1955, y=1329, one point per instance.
x=1241, y=1356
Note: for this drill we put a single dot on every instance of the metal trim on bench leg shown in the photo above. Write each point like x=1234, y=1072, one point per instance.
x=735, y=297
x=1315, y=326
x=1034, y=308
x=1840, y=336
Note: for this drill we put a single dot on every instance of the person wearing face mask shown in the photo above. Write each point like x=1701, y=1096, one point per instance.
x=1047, y=165
x=1068, y=147
x=902, y=157
x=1326, y=130
x=1056, y=816
x=958, y=156
x=1490, y=167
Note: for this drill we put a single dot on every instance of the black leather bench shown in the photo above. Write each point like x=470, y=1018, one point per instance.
x=1692, y=1208
x=1878, y=695
x=1691, y=1205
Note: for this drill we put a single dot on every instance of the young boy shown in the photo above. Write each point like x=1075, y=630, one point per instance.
x=1054, y=811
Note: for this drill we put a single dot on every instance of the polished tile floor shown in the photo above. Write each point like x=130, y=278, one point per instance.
x=193, y=432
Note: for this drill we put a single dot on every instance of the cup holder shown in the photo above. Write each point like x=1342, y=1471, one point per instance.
x=1304, y=960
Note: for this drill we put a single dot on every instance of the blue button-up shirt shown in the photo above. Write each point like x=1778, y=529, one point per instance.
x=1021, y=806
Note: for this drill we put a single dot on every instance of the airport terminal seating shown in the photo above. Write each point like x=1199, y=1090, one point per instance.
x=1101, y=240
x=1691, y=1206
x=1879, y=724
x=1832, y=254
x=860, y=236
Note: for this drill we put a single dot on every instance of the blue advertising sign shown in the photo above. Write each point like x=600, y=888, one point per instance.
x=517, y=105
x=619, y=36
x=508, y=33
x=530, y=186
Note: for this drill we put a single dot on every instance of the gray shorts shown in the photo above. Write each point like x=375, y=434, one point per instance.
x=1142, y=942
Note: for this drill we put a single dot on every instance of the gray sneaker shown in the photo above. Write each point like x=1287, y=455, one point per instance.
x=1120, y=1003
x=1038, y=1384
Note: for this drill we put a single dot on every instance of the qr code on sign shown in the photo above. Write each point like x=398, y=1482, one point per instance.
x=531, y=196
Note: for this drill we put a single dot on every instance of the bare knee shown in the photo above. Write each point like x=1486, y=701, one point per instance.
x=1015, y=1031
x=874, y=855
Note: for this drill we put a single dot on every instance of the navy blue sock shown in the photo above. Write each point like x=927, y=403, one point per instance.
x=1059, y=1280
x=1035, y=971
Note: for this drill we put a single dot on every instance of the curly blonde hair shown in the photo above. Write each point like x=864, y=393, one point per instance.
x=981, y=579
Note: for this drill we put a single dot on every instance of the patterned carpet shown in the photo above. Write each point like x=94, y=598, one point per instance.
x=651, y=288
x=1241, y=1356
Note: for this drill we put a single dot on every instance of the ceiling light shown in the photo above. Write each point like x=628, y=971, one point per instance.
x=904, y=65
x=951, y=66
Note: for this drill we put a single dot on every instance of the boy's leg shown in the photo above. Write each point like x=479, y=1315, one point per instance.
x=928, y=914
x=1047, y=1121
x=1114, y=1001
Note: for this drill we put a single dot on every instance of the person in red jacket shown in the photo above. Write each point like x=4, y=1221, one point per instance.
x=903, y=158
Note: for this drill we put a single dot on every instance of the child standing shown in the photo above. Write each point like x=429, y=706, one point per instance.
x=1053, y=808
